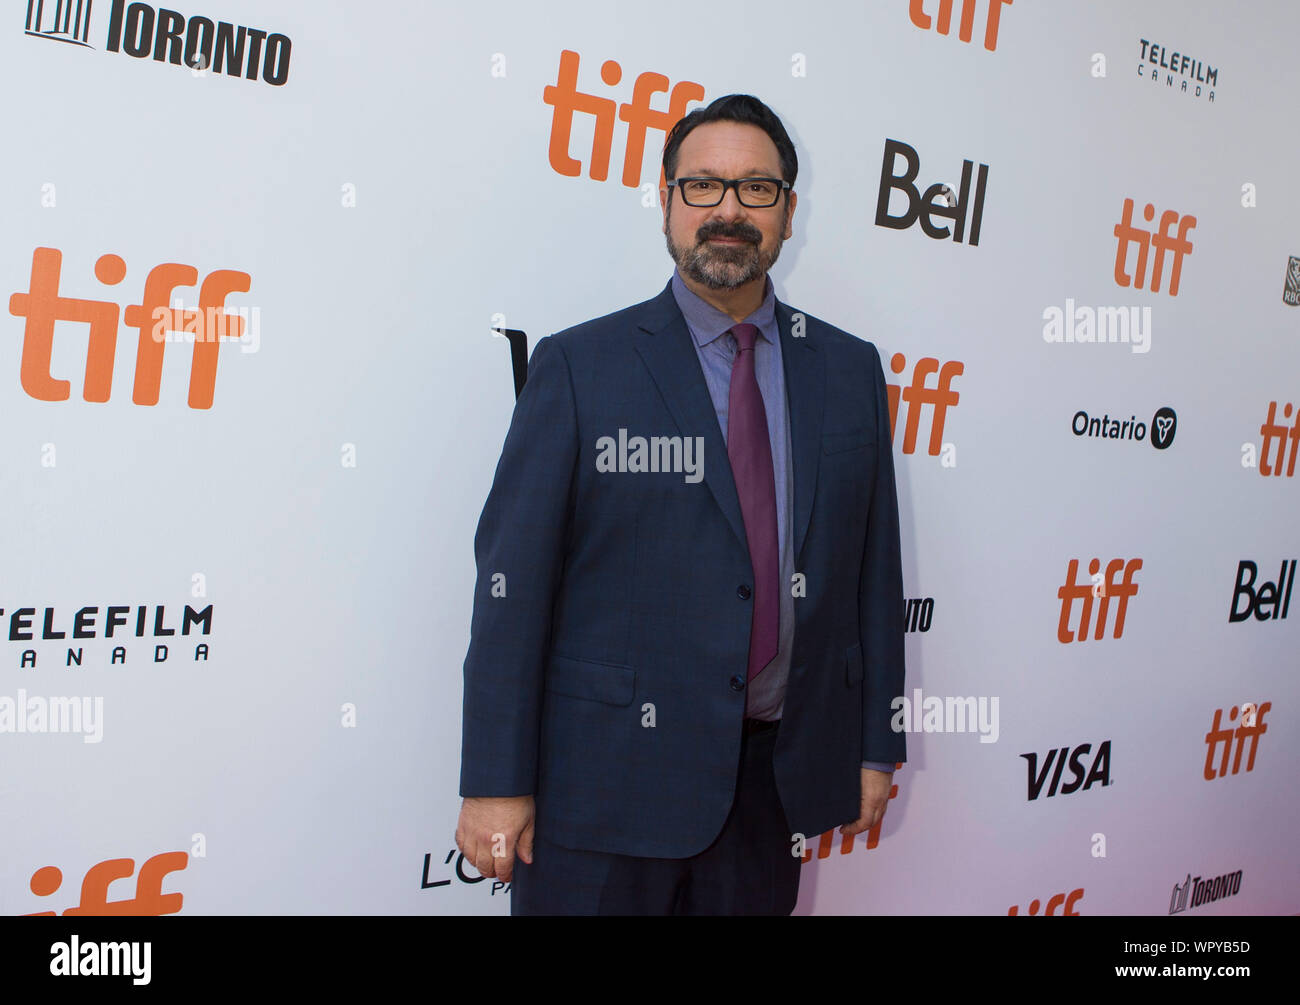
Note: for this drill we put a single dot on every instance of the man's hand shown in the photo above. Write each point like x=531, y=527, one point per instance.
x=491, y=828
x=875, y=797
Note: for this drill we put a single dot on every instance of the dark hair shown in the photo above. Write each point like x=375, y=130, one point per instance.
x=734, y=108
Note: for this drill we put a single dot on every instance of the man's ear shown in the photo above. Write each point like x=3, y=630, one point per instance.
x=789, y=215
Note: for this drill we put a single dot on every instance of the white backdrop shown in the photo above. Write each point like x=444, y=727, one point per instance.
x=394, y=198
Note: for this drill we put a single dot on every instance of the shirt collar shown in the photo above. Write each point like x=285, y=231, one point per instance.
x=706, y=323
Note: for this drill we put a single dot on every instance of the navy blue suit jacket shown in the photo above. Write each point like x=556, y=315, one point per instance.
x=602, y=594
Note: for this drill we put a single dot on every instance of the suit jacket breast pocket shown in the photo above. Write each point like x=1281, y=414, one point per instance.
x=840, y=443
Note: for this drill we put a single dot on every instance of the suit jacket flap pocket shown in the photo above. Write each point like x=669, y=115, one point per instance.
x=577, y=678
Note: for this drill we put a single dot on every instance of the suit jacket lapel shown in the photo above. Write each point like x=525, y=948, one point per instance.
x=665, y=346
x=805, y=389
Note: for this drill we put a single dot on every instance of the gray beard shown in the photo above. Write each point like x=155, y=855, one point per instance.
x=722, y=268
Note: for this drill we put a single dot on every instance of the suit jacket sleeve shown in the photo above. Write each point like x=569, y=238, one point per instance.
x=880, y=595
x=519, y=553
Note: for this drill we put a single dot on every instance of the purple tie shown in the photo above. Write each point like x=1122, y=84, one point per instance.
x=750, y=453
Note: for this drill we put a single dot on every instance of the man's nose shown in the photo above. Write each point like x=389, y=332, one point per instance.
x=730, y=208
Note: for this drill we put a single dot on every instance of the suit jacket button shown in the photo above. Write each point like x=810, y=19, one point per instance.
x=742, y=591
x=737, y=683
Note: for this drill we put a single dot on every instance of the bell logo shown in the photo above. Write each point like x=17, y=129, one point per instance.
x=1163, y=241
x=922, y=205
x=566, y=99
x=1270, y=602
x=42, y=306
x=1074, y=590
x=1252, y=728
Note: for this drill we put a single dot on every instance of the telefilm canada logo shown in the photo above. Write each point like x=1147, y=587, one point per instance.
x=115, y=625
x=168, y=36
x=1177, y=71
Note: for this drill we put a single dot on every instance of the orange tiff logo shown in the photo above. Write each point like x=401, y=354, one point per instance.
x=566, y=99
x=993, y=19
x=148, y=900
x=42, y=306
x=1161, y=240
x=916, y=396
x=1102, y=590
x=1251, y=728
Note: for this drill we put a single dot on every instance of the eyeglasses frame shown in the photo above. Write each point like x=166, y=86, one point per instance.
x=730, y=183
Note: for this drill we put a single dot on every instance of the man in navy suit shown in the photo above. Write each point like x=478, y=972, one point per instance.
x=688, y=620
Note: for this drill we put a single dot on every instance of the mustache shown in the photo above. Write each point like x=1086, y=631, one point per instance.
x=741, y=232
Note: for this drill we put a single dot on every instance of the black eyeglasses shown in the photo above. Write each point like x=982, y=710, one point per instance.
x=755, y=193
